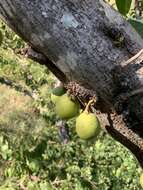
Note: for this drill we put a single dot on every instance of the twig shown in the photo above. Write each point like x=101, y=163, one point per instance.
x=63, y=131
x=136, y=58
x=22, y=186
x=17, y=87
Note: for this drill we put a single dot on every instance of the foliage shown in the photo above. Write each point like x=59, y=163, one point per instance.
x=123, y=6
x=127, y=9
x=32, y=153
x=137, y=24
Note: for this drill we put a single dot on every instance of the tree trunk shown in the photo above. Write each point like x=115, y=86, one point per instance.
x=88, y=45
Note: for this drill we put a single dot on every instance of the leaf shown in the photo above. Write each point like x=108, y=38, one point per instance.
x=123, y=6
x=137, y=24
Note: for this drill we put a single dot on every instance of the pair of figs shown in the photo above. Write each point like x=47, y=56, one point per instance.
x=87, y=124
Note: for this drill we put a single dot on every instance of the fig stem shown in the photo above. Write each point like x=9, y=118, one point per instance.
x=91, y=102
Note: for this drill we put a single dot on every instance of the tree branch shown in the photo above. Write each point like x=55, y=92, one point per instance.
x=88, y=43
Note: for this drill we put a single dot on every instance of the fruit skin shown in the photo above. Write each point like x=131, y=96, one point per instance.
x=87, y=125
x=141, y=180
x=67, y=108
x=56, y=93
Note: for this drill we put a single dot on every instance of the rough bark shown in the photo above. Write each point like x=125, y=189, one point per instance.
x=88, y=44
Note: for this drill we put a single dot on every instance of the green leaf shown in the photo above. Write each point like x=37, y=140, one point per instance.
x=137, y=24
x=123, y=6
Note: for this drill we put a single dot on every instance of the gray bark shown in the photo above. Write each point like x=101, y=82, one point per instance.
x=89, y=43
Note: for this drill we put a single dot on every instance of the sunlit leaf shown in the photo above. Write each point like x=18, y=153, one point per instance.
x=123, y=6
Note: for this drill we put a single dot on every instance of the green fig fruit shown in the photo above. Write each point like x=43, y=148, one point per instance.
x=87, y=125
x=56, y=93
x=141, y=180
x=67, y=108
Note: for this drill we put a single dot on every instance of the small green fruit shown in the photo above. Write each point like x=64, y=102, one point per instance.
x=141, y=180
x=87, y=125
x=67, y=108
x=56, y=93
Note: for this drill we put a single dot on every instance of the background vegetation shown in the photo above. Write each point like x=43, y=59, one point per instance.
x=33, y=154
